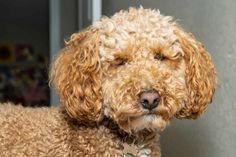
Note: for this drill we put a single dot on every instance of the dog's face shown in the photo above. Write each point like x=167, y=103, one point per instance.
x=138, y=68
x=144, y=85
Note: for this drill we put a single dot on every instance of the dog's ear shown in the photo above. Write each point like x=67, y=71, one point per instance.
x=76, y=76
x=200, y=76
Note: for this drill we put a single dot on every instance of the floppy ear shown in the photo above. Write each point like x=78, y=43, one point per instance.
x=76, y=75
x=200, y=76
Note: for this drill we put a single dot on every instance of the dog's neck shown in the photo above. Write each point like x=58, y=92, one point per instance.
x=134, y=142
x=129, y=138
x=113, y=127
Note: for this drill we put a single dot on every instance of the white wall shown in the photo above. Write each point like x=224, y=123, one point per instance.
x=213, y=23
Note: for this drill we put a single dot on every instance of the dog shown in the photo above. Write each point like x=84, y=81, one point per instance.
x=120, y=82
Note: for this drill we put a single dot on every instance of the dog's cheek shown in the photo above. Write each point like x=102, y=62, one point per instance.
x=120, y=95
x=174, y=94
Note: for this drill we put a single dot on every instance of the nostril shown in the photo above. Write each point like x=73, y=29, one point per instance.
x=156, y=101
x=145, y=103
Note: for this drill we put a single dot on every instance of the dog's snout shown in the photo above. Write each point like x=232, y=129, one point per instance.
x=149, y=99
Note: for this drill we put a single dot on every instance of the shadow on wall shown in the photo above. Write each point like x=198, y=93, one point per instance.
x=178, y=140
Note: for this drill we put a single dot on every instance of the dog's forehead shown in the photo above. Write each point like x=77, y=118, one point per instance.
x=134, y=27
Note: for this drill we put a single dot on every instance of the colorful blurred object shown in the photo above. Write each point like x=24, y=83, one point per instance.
x=23, y=75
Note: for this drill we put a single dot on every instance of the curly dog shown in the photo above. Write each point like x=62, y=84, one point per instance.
x=120, y=82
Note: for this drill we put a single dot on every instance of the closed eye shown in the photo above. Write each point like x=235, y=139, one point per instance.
x=119, y=61
x=159, y=57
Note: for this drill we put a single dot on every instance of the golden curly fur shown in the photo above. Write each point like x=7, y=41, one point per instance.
x=99, y=76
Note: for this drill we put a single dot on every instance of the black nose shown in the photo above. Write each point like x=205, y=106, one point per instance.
x=149, y=99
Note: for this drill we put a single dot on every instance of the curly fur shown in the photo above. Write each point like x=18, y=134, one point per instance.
x=99, y=75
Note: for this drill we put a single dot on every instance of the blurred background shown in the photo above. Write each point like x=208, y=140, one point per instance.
x=32, y=32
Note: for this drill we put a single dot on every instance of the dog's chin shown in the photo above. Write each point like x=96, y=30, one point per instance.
x=150, y=122
x=142, y=121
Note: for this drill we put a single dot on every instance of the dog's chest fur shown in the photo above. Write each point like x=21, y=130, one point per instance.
x=48, y=132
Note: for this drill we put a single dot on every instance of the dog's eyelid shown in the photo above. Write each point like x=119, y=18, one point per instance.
x=119, y=61
x=160, y=57
x=122, y=62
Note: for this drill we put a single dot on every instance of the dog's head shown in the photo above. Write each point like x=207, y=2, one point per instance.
x=138, y=67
